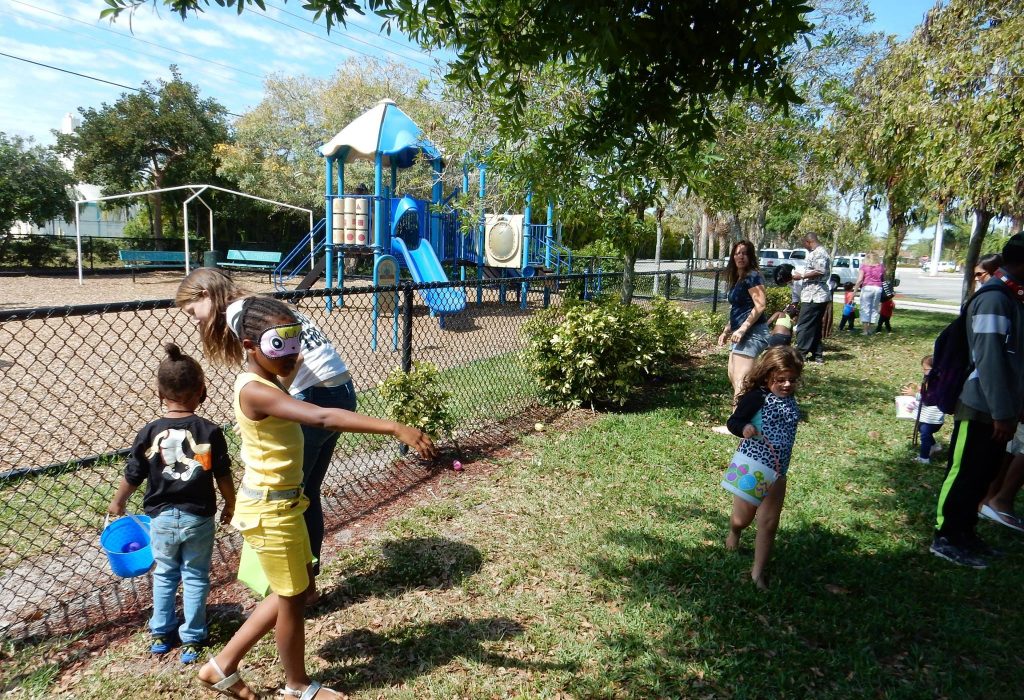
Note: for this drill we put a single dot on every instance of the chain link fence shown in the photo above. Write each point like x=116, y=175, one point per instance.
x=78, y=383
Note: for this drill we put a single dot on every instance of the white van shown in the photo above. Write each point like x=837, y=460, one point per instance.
x=846, y=269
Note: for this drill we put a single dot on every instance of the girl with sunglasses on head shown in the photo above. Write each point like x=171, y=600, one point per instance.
x=270, y=502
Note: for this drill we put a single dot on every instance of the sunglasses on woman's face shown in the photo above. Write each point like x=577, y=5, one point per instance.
x=978, y=274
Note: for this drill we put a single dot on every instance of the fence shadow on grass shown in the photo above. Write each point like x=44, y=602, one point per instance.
x=363, y=658
x=409, y=564
x=838, y=622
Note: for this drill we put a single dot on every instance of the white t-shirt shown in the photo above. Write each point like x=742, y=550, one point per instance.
x=320, y=361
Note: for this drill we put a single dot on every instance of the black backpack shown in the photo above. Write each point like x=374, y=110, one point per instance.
x=951, y=360
x=888, y=292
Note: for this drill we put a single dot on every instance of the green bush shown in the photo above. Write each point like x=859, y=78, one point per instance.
x=778, y=298
x=669, y=327
x=590, y=353
x=416, y=398
x=705, y=325
x=35, y=252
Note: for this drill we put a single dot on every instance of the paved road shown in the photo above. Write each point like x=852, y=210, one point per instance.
x=915, y=284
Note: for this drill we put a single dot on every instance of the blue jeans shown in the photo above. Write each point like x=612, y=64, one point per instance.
x=182, y=549
x=927, y=432
x=316, y=456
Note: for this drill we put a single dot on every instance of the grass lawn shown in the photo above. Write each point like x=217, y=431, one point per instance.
x=588, y=562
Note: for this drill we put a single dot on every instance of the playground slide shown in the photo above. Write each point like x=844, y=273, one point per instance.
x=425, y=267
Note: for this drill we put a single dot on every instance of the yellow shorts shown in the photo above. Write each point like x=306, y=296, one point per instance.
x=277, y=533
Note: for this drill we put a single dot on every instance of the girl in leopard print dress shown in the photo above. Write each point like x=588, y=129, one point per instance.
x=766, y=416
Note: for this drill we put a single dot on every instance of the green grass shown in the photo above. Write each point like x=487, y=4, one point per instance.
x=589, y=563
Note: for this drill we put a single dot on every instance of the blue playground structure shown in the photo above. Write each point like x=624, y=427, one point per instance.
x=402, y=232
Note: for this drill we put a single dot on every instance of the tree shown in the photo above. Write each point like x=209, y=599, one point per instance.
x=972, y=55
x=34, y=186
x=274, y=145
x=162, y=136
x=651, y=63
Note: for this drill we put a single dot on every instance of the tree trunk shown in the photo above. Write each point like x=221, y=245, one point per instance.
x=735, y=229
x=628, y=274
x=940, y=230
x=894, y=241
x=158, y=220
x=702, y=245
x=759, y=224
x=659, y=214
x=982, y=218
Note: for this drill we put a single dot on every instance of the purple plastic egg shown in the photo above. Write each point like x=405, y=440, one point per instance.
x=133, y=547
x=457, y=465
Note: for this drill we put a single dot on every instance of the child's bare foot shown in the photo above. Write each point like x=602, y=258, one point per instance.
x=732, y=540
x=760, y=581
x=213, y=677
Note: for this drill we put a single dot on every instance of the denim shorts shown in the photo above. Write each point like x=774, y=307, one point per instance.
x=753, y=343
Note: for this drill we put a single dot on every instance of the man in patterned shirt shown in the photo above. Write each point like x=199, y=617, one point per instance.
x=815, y=296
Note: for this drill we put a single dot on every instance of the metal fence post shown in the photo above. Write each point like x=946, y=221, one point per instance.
x=714, y=295
x=407, y=328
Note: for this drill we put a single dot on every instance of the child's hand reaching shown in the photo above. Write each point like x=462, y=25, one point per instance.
x=116, y=508
x=417, y=440
x=749, y=431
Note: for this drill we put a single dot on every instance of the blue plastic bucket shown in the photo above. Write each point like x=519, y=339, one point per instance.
x=127, y=546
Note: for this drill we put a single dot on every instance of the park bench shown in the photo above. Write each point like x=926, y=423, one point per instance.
x=252, y=260
x=136, y=260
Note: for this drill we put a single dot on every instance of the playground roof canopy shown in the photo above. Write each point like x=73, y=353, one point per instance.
x=384, y=129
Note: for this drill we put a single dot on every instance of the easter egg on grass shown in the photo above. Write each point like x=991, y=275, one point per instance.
x=457, y=465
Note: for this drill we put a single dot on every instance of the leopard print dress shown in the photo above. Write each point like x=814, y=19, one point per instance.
x=779, y=418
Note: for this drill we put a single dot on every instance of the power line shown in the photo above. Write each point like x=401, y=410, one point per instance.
x=362, y=41
x=324, y=39
x=133, y=37
x=90, y=77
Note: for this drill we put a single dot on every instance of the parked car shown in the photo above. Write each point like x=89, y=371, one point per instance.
x=846, y=269
x=798, y=258
x=772, y=257
x=944, y=266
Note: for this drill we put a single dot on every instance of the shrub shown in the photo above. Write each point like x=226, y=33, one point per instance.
x=777, y=299
x=590, y=353
x=705, y=325
x=416, y=399
x=669, y=327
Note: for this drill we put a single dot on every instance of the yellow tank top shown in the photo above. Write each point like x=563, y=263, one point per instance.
x=785, y=322
x=271, y=448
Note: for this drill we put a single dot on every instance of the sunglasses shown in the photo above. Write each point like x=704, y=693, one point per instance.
x=979, y=274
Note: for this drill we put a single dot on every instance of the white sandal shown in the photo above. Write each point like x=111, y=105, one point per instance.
x=310, y=692
x=223, y=686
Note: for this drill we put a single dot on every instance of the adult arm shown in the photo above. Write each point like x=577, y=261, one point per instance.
x=860, y=280
x=757, y=295
x=746, y=408
x=259, y=401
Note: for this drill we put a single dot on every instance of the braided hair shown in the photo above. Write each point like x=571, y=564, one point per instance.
x=179, y=377
x=260, y=313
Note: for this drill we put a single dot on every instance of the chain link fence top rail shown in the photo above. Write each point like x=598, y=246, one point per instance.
x=79, y=382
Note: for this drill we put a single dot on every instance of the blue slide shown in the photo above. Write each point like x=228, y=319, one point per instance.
x=425, y=267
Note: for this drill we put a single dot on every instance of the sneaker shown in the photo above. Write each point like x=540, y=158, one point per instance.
x=190, y=653
x=160, y=645
x=819, y=360
x=944, y=549
x=936, y=449
x=978, y=546
x=922, y=460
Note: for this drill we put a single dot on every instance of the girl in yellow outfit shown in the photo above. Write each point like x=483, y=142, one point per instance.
x=270, y=504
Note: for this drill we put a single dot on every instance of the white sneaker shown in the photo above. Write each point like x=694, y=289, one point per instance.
x=922, y=460
x=936, y=449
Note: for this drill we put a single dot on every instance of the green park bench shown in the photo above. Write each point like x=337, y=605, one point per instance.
x=263, y=260
x=136, y=260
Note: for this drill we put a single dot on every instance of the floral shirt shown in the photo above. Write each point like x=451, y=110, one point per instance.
x=816, y=291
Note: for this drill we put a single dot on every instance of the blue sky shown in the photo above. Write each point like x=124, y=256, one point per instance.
x=226, y=55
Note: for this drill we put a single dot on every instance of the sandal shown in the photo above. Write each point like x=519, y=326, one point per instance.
x=310, y=692
x=223, y=686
